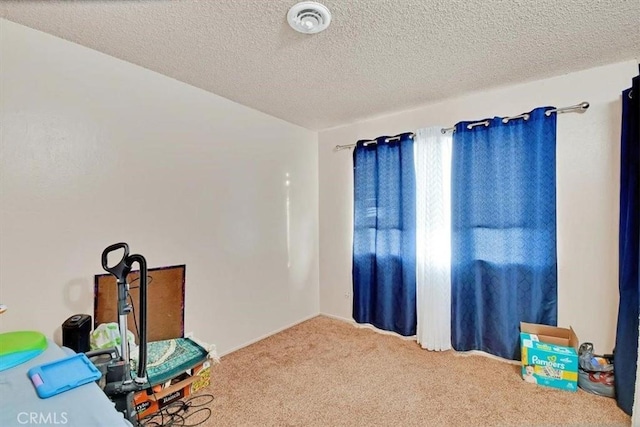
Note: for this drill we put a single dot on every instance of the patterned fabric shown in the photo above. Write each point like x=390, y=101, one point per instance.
x=433, y=238
x=384, y=269
x=626, y=352
x=503, y=260
x=107, y=335
x=167, y=359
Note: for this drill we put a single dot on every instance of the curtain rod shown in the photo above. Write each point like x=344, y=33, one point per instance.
x=581, y=107
x=374, y=141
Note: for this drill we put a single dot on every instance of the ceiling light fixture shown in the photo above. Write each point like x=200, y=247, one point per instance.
x=309, y=17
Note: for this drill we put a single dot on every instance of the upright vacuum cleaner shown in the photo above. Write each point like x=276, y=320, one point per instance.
x=117, y=380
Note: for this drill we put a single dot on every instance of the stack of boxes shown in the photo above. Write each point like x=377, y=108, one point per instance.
x=150, y=401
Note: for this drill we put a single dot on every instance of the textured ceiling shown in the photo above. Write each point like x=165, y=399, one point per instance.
x=378, y=56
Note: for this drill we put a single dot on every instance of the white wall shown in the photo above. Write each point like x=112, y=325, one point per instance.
x=80, y=129
x=588, y=150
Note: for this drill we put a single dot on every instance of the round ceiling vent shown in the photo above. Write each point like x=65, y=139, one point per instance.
x=309, y=17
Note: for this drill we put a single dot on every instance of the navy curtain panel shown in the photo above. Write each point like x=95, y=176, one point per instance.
x=384, y=243
x=626, y=351
x=503, y=259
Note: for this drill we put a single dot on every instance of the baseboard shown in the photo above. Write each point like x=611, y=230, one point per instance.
x=333, y=316
x=368, y=326
x=372, y=328
x=260, y=338
x=487, y=355
x=413, y=338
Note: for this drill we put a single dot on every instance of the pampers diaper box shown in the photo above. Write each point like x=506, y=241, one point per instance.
x=549, y=356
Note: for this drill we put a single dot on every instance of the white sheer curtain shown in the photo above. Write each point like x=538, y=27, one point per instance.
x=433, y=239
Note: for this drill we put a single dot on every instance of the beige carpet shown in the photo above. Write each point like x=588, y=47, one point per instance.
x=325, y=372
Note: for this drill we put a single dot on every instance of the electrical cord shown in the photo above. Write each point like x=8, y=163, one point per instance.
x=176, y=413
x=179, y=412
x=149, y=281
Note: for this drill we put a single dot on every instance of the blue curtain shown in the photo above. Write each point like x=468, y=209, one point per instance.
x=626, y=351
x=384, y=243
x=503, y=260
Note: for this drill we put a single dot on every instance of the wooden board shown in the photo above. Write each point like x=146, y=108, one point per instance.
x=165, y=302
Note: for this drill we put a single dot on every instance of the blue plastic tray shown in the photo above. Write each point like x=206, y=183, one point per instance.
x=61, y=375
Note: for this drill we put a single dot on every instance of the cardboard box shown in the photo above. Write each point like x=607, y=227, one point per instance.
x=549, y=356
x=150, y=401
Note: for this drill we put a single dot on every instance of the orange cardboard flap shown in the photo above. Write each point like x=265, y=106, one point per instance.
x=172, y=388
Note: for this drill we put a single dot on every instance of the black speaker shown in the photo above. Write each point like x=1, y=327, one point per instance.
x=76, y=331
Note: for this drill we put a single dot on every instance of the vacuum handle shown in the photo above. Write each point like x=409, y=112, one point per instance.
x=142, y=305
x=122, y=268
